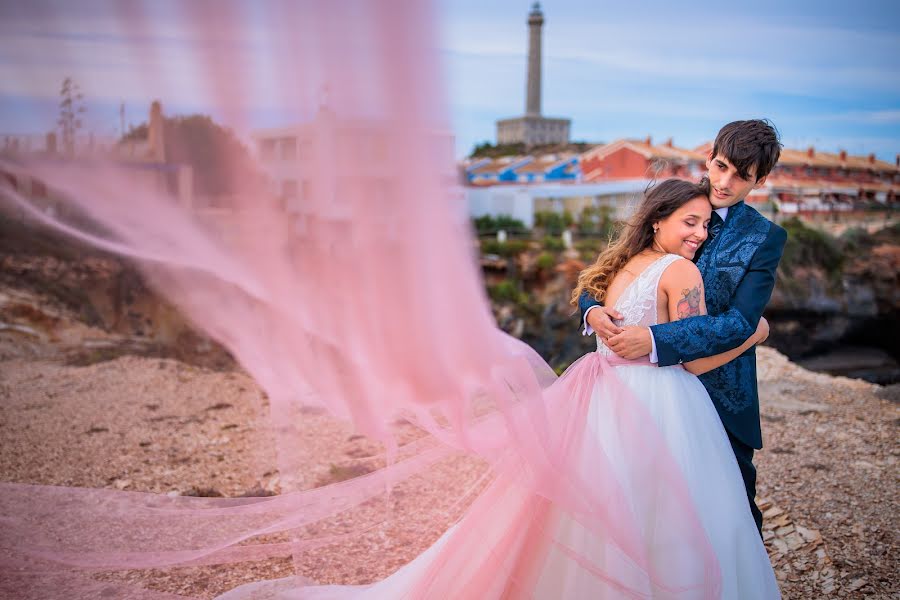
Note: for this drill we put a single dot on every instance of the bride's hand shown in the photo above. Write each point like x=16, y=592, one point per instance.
x=762, y=331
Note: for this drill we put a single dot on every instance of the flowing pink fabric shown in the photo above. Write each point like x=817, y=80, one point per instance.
x=366, y=300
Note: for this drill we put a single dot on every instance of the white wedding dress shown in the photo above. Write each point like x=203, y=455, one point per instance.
x=689, y=425
x=684, y=413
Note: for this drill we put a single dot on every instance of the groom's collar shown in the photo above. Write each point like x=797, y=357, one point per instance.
x=726, y=210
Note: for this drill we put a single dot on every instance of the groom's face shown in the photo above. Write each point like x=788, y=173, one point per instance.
x=728, y=187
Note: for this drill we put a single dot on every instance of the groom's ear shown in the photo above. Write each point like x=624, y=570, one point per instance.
x=760, y=183
x=709, y=159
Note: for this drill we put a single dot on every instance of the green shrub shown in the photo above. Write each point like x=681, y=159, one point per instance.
x=554, y=244
x=507, y=291
x=506, y=249
x=810, y=247
x=553, y=222
x=596, y=220
x=509, y=223
x=545, y=261
x=486, y=149
x=483, y=224
x=516, y=247
x=855, y=240
x=590, y=246
x=487, y=224
x=891, y=233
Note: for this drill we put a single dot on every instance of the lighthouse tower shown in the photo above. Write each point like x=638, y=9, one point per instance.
x=533, y=129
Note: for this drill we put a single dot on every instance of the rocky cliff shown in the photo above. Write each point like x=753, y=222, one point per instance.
x=60, y=298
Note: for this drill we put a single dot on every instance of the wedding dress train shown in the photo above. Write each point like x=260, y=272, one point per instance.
x=535, y=550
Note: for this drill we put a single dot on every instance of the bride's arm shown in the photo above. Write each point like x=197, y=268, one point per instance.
x=702, y=365
x=683, y=286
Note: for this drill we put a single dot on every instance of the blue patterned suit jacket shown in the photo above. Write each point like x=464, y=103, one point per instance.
x=738, y=269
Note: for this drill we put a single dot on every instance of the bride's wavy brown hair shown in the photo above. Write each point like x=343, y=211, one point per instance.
x=636, y=235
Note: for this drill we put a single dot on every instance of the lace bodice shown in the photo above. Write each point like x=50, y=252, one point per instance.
x=638, y=301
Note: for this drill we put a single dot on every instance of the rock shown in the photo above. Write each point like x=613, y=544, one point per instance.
x=794, y=541
x=809, y=535
x=780, y=546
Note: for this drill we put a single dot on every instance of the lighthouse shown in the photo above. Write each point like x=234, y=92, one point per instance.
x=533, y=129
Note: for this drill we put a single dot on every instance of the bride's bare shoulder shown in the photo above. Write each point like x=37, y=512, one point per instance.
x=679, y=275
x=681, y=286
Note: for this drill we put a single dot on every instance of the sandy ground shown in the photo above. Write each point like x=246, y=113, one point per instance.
x=830, y=463
x=828, y=474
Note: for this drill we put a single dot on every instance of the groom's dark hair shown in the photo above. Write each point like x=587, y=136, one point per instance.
x=747, y=144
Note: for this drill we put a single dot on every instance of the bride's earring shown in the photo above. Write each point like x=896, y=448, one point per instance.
x=656, y=245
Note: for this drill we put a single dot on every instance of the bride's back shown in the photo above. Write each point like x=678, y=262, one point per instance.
x=635, y=291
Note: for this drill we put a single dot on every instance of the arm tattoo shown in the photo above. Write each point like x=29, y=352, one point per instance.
x=689, y=305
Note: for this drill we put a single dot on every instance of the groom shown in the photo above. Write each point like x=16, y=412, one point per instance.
x=738, y=263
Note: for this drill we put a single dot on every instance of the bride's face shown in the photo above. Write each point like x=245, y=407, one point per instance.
x=684, y=230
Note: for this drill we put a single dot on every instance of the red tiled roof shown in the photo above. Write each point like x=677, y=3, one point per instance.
x=705, y=148
x=791, y=157
x=869, y=162
x=801, y=158
x=648, y=150
x=789, y=182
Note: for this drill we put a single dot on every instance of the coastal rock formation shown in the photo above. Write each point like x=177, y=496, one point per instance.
x=847, y=316
x=60, y=299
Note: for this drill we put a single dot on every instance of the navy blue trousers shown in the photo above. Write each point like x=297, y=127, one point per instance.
x=744, y=455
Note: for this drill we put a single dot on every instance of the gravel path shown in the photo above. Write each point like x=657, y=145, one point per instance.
x=830, y=462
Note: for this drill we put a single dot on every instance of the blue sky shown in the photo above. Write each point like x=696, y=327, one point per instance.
x=827, y=74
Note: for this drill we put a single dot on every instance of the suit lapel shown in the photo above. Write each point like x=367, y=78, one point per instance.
x=731, y=217
x=731, y=228
x=707, y=255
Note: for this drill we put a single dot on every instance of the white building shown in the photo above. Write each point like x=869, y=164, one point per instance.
x=523, y=201
x=293, y=156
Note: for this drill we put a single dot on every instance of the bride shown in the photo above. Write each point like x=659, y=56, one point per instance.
x=530, y=547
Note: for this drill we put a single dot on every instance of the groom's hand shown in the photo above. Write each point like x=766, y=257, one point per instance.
x=600, y=319
x=633, y=342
